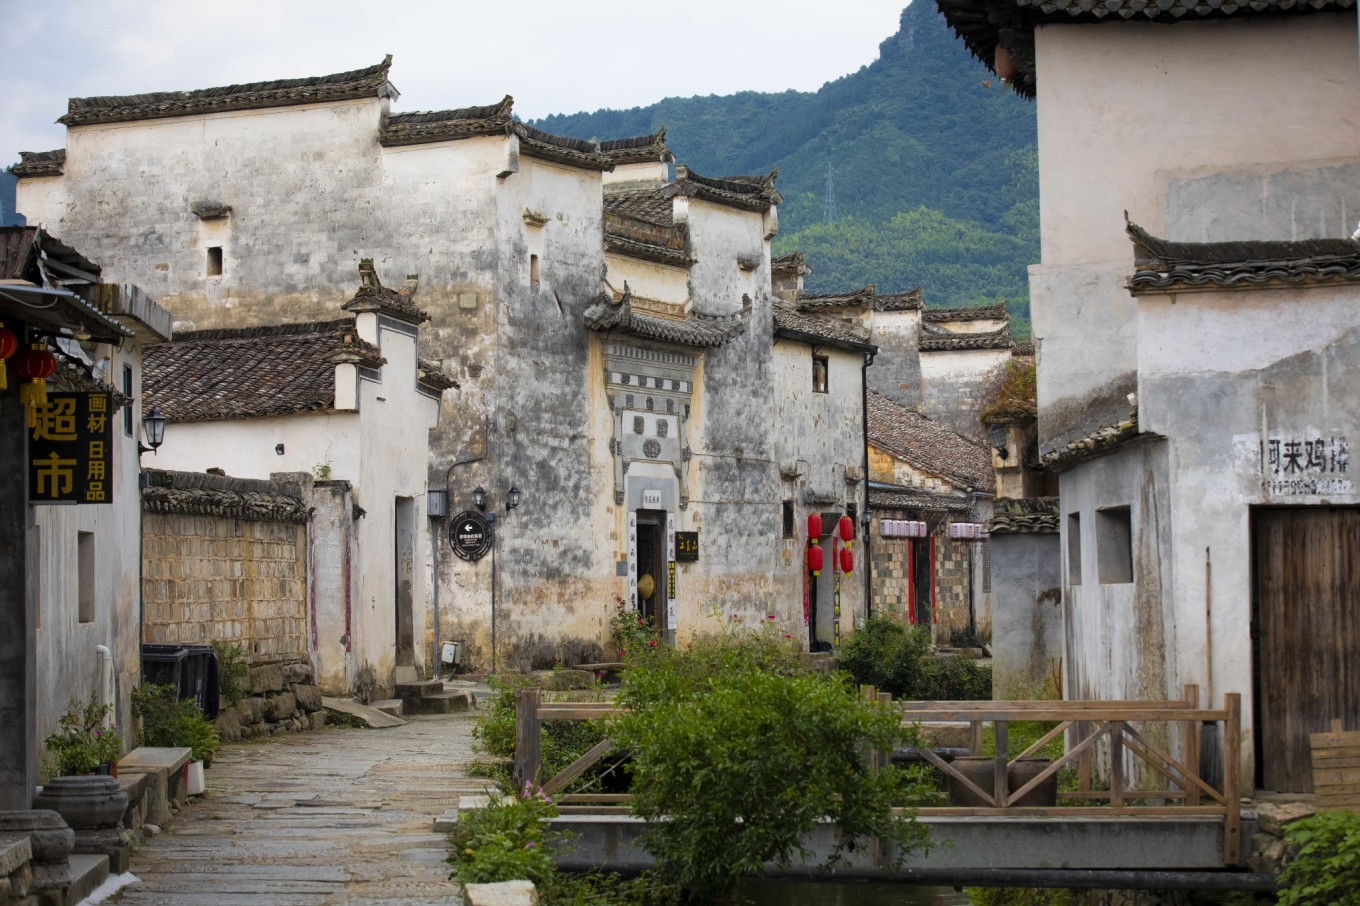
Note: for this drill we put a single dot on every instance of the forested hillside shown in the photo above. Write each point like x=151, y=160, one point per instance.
x=932, y=167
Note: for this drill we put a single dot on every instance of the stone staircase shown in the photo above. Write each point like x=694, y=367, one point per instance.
x=428, y=696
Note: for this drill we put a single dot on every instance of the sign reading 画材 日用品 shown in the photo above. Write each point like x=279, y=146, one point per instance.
x=69, y=449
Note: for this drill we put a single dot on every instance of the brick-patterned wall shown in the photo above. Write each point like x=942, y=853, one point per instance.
x=224, y=578
x=891, y=582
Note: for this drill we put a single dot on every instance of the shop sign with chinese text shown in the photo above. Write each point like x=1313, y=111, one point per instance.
x=69, y=449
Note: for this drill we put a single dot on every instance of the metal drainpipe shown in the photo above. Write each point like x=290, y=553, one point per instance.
x=865, y=516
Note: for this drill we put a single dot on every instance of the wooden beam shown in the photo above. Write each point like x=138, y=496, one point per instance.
x=578, y=767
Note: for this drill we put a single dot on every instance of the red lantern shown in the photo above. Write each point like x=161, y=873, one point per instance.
x=34, y=366
x=847, y=529
x=847, y=560
x=9, y=344
x=814, y=527
x=815, y=560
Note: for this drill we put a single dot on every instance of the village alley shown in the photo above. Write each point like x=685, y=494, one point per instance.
x=315, y=819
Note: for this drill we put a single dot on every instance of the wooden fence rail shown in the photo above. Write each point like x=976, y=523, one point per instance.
x=1118, y=725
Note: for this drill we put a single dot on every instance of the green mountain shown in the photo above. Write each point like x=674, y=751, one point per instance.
x=930, y=161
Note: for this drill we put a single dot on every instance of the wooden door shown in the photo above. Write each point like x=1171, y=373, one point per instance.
x=1306, y=633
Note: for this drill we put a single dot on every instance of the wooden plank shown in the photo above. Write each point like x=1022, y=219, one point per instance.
x=1232, y=766
x=1117, y=764
x=1044, y=740
x=1163, y=761
x=1043, y=704
x=1084, y=765
x=947, y=768
x=579, y=766
x=1061, y=811
x=601, y=798
x=594, y=810
x=1334, y=740
x=578, y=710
x=1000, y=776
x=528, y=736
x=1341, y=777
x=1190, y=744
x=1058, y=711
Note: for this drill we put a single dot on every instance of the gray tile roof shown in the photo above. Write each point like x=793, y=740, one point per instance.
x=447, y=125
x=973, y=313
x=983, y=23
x=794, y=261
x=40, y=163
x=937, y=340
x=1102, y=440
x=204, y=494
x=1160, y=264
x=638, y=223
x=792, y=322
x=749, y=193
x=886, y=498
x=638, y=149
x=866, y=295
x=928, y=445
x=252, y=371
x=606, y=314
x=373, y=296
x=1025, y=515
x=359, y=83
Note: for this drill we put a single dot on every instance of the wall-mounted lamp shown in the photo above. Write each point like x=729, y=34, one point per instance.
x=153, y=425
x=278, y=448
x=479, y=498
x=512, y=500
x=999, y=437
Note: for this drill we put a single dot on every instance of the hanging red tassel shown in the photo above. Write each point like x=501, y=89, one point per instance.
x=34, y=366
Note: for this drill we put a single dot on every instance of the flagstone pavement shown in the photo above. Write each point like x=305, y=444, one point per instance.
x=314, y=819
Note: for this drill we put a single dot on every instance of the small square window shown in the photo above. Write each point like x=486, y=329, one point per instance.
x=820, y=367
x=533, y=270
x=1114, y=545
x=214, y=261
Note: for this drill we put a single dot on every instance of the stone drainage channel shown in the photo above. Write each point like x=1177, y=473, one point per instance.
x=317, y=818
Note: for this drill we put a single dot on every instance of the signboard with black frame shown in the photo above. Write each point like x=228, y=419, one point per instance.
x=686, y=547
x=70, y=449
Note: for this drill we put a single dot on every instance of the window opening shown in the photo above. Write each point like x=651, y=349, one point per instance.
x=1074, y=549
x=214, y=261
x=819, y=374
x=1114, y=545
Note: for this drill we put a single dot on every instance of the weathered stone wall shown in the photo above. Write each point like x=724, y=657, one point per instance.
x=210, y=578
x=224, y=560
x=892, y=580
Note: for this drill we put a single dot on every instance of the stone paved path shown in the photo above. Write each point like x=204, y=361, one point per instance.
x=315, y=819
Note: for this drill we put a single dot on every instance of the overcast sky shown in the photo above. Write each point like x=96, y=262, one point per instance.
x=554, y=56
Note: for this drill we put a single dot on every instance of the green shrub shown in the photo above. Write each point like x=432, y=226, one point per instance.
x=1326, y=871
x=88, y=738
x=898, y=659
x=506, y=841
x=232, y=670
x=737, y=754
x=168, y=720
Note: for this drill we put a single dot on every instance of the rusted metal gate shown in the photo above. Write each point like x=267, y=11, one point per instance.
x=1307, y=628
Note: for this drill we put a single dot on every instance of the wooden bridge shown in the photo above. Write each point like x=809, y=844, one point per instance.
x=1151, y=812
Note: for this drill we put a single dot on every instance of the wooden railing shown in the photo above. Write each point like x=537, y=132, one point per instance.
x=1120, y=725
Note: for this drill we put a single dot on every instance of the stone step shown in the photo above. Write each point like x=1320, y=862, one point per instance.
x=417, y=690
x=388, y=706
x=440, y=703
x=70, y=883
x=371, y=716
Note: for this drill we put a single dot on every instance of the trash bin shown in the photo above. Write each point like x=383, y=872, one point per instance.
x=192, y=669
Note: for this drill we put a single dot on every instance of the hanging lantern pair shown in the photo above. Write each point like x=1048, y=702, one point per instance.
x=815, y=558
x=34, y=366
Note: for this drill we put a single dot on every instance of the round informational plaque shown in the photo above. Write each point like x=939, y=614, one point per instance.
x=470, y=535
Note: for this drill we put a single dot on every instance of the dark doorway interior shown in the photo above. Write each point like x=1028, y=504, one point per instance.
x=651, y=563
x=922, y=557
x=1305, y=635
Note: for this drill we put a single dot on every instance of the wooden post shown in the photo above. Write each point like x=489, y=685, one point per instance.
x=884, y=758
x=1001, y=781
x=975, y=737
x=1117, y=764
x=1190, y=743
x=1232, y=789
x=1083, y=760
x=528, y=737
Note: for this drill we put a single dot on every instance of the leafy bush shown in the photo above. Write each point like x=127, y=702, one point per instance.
x=504, y=841
x=1326, y=871
x=169, y=721
x=898, y=659
x=737, y=753
x=232, y=670
x=88, y=738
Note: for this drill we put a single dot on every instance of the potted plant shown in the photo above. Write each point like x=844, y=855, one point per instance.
x=169, y=721
x=88, y=742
